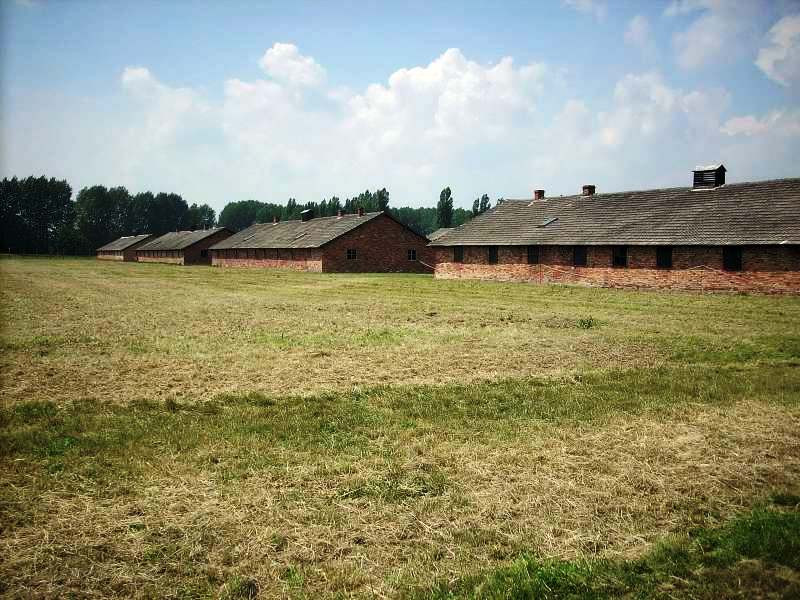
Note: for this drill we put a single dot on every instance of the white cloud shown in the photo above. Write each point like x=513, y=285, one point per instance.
x=284, y=62
x=722, y=30
x=780, y=61
x=597, y=8
x=639, y=34
x=783, y=123
x=473, y=126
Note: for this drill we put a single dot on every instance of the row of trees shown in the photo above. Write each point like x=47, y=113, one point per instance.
x=241, y=214
x=38, y=215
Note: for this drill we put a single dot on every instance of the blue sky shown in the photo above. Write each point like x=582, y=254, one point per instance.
x=227, y=101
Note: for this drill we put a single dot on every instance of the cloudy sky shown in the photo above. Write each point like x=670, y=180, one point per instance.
x=225, y=101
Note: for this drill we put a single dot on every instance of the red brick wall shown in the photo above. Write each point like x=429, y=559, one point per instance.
x=146, y=256
x=301, y=259
x=110, y=255
x=193, y=255
x=381, y=246
x=769, y=269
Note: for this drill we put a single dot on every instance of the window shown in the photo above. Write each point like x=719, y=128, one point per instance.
x=533, y=255
x=664, y=257
x=351, y=254
x=412, y=254
x=458, y=253
x=204, y=253
x=619, y=256
x=492, y=255
x=732, y=258
x=579, y=256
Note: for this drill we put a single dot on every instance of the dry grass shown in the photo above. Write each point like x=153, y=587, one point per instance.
x=153, y=442
x=75, y=328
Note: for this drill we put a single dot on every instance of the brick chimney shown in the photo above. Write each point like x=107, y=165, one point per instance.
x=274, y=220
x=339, y=214
x=588, y=190
x=360, y=211
x=538, y=194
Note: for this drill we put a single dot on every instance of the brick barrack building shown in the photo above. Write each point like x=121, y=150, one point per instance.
x=361, y=243
x=183, y=247
x=123, y=248
x=711, y=236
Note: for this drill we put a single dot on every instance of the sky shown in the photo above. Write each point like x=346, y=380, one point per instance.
x=225, y=101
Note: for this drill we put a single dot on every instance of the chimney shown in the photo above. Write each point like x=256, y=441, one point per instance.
x=588, y=190
x=538, y=194
x=307, y=215
x=339, y=213
x=274, y=219
x=360, y=211
x=709, y=177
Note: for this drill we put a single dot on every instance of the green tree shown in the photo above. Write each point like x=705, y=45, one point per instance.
x=201, y=217
x=240, y=215
x=444, y=209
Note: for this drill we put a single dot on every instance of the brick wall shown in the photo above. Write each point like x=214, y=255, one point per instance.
x=301, y=259
x=110, y=256
x=196, y=254
x=381, y=246
x=146, y=256
x=767, y=269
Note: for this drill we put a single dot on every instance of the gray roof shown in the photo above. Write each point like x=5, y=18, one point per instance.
x=439, y=233
x=179, y=240
x=295, y=234
x=761, y=212
x=123, y=243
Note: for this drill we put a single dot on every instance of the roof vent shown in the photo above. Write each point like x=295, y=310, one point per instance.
x=538, y=194
x=710, y=176
x=307, y=215
x=588, y=190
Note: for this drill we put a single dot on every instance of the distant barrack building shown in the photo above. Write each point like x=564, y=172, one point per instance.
x=183, y=247
x=361, y=242
x=123, y=248
x=711, y=236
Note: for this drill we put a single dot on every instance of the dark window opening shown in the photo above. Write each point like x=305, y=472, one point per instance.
x=492, y=255
x=204, y=253
x=412, y=254
x=458, y=253
x=579, y=256
x=732, y=258
x=351, y=254
x=533, y=255
x=619, y=256
x=664, y=257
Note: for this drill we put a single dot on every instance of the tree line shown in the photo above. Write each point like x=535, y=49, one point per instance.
x=241, y=214
x=39, y=216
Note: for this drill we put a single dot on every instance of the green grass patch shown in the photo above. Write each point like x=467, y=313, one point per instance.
x=705, y=563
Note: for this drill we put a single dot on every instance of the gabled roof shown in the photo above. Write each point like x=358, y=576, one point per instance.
x=760, y=212
x=439, y=233
x=180, y=240
x=124, y=243
x=296, y=234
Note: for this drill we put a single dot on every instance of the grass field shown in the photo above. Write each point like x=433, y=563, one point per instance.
x=197, y=432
